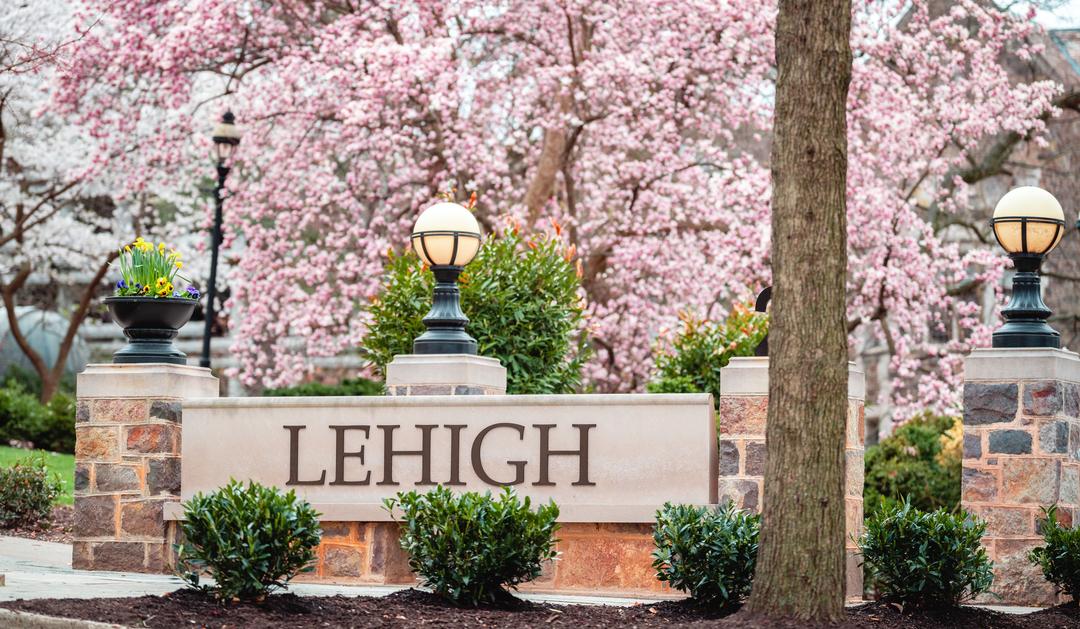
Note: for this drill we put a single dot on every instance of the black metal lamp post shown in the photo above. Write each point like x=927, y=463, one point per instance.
x=1028, y=223
x=446, y=237
x=226, y=138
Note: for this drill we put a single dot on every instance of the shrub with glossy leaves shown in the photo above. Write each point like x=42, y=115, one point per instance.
x=348, y=386
x=1059, y=556
x=920, y=462
x=27, y=492
x=691, y=362
x=468, y=547
x=522, y=297
x=249, y=538
x=708, y=553
x=926, y=559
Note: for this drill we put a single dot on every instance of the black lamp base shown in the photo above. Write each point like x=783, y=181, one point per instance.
x=445, y=322
x=1026, y=315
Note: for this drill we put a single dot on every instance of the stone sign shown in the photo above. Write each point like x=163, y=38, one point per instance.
x=602, y=458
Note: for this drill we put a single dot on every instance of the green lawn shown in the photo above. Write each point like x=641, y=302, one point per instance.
x=63, y=464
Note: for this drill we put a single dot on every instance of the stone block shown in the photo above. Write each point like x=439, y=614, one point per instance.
x=854, y=472
x=95, y=516
x=387, y=557
x=163, y=476
x=80, y=556
x=1043, y=399
x=744, y=493
x=1054, y=437
x=120, y=556
x=1016, y=580
x=989, y=403
x=430, y=389
x=1070, y=484
x=336, y=530
x=158, y=557
x=82, y=477
x=1010, y=442
x=729, y=458
x=755, y=458
x=853, y=576
x=743, y=415
x=166, y=411
x=343, y=561
x=82, y=412
x=1071, y=393
x=119, y=410
x=972, y=446
x=605, y=563
x=979, y=485
x=1030, y=480
x=1074, y=442
x=464, y=389
x=97, y=443
x=151, y=439
x=109, y=477
x=142, y=518
x=1008, y=521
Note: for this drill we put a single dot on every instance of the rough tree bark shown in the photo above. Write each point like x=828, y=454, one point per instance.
x=800, y=566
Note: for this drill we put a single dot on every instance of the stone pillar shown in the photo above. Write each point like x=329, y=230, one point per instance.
x=370, y=552
x=1021, y=452
x=744, y=404
x=445, y=374
x=127, y=461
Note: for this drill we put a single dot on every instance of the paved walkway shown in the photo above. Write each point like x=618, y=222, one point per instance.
x=35, y=569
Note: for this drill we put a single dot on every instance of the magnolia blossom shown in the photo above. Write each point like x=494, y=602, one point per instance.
x=640, y=126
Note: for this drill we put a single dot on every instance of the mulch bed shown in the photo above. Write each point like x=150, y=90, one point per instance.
x=59, y=530
x=412, y=608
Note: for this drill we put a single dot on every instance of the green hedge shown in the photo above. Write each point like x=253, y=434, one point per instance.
x=47, y=426
x=920, y=462
x=351, y=386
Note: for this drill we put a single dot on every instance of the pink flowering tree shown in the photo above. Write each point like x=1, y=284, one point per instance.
x=641, y=128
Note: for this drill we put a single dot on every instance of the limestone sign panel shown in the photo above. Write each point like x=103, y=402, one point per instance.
x=602, y=458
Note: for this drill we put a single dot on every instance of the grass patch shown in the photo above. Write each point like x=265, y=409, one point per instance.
x=62, y=464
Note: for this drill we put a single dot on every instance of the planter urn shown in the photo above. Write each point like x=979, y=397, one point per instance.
x=150, y=325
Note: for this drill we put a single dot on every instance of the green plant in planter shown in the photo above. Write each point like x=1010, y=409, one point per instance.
x=922, y=559
x=691, y=361
x=27, y=492
x=709, y=553
x=147, y=270
x=249, y=538
x=469, y=546
x=522, y=297
x=1059, y=556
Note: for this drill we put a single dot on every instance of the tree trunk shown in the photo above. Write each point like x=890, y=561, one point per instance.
x=800, y=566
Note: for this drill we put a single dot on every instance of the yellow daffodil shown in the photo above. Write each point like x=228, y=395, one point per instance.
x=161, y=248
x=179, y=264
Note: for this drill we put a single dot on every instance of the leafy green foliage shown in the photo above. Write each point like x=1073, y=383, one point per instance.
x=47, y=426
x=1059, y=557
x=250, y=539
x=349, y=386
x=925, y=559
x=915, y=464
x=709, y=553
x=522, y=298
x=468, y=546
x=27, y=492
x=148, y=271
x=692, y=361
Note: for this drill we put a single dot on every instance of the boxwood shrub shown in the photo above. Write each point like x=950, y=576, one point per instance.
x=926, y=559
x=468, y=547
x=249, y=538
x=708, y=553
x=1059, y=556
x=920, y=462
x=27, y=492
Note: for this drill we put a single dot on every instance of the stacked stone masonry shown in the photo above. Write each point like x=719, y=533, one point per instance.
x=1021, y=453
x=127, y=463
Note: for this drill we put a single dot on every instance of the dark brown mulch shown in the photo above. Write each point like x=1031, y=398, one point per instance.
x=414, y=608
x=59, y=530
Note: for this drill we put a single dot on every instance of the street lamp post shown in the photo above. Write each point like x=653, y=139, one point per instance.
x=1028, y=223
x=226, y=138
x=446, y=237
